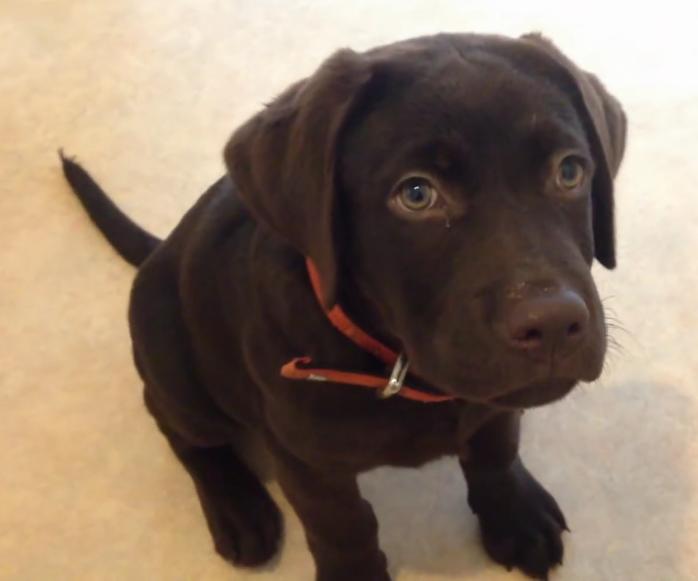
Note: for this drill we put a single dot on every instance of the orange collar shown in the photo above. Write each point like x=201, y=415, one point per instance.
x=351, y=331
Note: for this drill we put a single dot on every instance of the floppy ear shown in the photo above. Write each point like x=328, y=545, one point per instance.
x=606, y=125
x=283, y=160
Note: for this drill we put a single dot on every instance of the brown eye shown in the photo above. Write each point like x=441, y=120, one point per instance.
x=416, y=194
x=570, y=173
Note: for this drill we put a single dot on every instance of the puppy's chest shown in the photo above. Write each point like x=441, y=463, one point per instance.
x=421, y=438
x=394, y=433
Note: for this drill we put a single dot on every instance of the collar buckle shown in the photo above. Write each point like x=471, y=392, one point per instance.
x=397, y=378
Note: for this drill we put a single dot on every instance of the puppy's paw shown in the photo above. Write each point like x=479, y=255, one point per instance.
x=247, y=532
x=520, y=521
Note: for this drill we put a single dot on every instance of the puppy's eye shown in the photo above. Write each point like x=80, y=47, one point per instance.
x=570, y=173
x=416, y=194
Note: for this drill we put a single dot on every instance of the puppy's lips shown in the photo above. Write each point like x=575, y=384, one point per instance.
x=540, y=390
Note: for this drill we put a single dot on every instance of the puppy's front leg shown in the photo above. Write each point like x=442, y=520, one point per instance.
x=340, y=526
x=520, y=521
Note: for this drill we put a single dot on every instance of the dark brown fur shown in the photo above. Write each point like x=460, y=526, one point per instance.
x=225, y=300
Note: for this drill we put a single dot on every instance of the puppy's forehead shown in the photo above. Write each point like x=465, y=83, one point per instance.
x=479, y=97
x=460, y=114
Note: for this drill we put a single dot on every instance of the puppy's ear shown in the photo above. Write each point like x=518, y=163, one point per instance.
x=606, y=125
x=283, y=160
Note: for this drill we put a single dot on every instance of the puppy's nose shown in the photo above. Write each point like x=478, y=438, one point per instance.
x=548, y=322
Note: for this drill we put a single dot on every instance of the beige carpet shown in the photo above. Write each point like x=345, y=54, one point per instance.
x=146, y=92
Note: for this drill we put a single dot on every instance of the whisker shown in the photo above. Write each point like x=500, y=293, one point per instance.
x=619, y=328
x=615, y=348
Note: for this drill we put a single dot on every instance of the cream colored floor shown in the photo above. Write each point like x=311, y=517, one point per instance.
x=146, y=92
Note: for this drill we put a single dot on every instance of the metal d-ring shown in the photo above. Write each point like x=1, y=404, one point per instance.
x=397, y=377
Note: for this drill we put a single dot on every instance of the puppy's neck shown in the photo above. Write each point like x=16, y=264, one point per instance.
x=363, y=312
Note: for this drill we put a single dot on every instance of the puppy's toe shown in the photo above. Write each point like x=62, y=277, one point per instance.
x=535, y=548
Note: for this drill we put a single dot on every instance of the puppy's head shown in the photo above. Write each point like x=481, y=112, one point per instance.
x=453, y=192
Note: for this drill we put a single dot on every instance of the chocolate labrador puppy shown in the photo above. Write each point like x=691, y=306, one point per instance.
x=396, y=264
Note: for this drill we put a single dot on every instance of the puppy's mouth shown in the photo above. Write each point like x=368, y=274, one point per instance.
x=534, y=394
x=533, y=385
x=537, y=392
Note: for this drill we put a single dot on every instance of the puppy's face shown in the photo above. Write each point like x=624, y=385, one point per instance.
x=466, y=197
x=452, y=192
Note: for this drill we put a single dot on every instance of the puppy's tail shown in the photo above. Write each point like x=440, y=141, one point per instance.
x=130, y=240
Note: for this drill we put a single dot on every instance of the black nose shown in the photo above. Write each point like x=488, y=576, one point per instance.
x=547, y=322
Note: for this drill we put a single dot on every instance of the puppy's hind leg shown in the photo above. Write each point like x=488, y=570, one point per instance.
x=243, y=519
